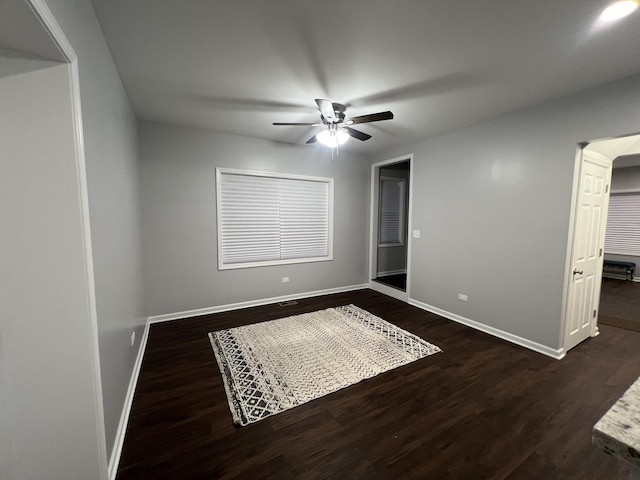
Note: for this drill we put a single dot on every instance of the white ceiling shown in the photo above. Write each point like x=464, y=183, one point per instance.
x=625, y=151
x=237, y=65
x=25, y=44
x=614, y=147
x=21, y=31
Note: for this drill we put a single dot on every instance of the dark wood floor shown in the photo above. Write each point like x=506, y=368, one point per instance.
x=398, y=281
x=620, y=304
x=483, y=409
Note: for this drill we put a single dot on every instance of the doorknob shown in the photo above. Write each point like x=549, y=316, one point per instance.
x=578, y=272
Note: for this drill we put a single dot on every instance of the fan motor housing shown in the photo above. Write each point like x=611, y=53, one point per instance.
x=339, y=110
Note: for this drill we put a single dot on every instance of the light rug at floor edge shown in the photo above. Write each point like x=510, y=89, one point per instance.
x=272, y=366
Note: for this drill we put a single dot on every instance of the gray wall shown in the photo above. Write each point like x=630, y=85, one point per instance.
x=179, y=218
x=625, y=179
x=493, y=204
x=49, y=409
x=111, y=156
x=391, y=259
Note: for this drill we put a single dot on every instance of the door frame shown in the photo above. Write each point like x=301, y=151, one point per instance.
x=373, y=227
x=49, y=22
x=571, y=240
x=568, y=276
x=568, y=280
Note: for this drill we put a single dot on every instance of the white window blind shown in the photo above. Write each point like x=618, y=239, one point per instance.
x=268, y=219
x=623, y=224
x=392, y=199
x=304, y=219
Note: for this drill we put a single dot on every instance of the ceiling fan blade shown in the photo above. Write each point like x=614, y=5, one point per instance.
x=357, y=134
x=326, y=109
x=299, y=124
x=373, y=117
x=312, y=140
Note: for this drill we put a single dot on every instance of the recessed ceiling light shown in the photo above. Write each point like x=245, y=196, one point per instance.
x=618, y=10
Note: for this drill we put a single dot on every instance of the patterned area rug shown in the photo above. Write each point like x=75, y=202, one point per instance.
x=273, y=366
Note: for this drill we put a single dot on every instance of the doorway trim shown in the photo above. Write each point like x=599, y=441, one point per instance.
x=571, y=238
x=373, y=222
x=577, y=168
x=594, y=158
x=46, y=17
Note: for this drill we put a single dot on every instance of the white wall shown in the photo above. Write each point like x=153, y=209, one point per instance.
x=179, y=218
x=50, y=415
x=111, y=156
x=493, y=202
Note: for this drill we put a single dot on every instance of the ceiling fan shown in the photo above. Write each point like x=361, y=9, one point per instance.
x=338, y=131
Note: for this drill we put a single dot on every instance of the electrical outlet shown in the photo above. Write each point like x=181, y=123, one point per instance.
x=285, y=279
x=463, y=297
x=416, y=234
x=133, y=338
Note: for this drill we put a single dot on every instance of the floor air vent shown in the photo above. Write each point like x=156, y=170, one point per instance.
x=286, y=304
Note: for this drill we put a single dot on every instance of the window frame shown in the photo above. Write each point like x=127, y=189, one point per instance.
x=220, y=171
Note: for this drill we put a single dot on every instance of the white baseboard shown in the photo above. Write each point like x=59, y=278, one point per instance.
x=391, y=272
x=523, y=342
x=619, y=277
x=118, y=443
x=252, y=303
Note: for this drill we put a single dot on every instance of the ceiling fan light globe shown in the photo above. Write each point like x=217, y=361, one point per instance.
x=325, y=138
x=342, y=136
x=333, y=138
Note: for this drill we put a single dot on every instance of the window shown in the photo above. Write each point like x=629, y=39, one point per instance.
x=272, y=219
x=623, y=224
x=391, y=222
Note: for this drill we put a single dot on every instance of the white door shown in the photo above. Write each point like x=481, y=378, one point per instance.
x=588, y=243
